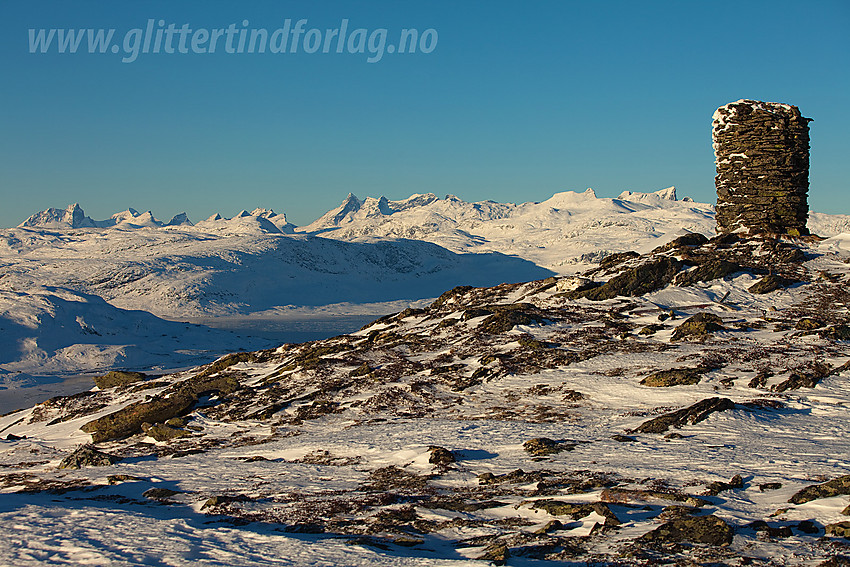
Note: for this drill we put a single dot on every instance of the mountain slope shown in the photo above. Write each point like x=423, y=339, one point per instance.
x=566, y=229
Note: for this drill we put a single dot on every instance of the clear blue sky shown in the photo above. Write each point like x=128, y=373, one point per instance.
x=518, y=100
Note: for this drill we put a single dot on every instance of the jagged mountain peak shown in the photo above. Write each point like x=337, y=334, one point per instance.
x=140, y=220
x=180, y=219
x=668, y=194
x=72, y=216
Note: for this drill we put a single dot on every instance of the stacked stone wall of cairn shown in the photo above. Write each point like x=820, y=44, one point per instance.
x=762, y=157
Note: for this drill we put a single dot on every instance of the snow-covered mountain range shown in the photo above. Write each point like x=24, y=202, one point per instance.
x=73, y=216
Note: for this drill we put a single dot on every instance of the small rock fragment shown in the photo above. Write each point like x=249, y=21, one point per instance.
x=623, y=438
x=698, y=327
x=119, y=478
x=88, y=456
x=440, y=456
x=542, y=446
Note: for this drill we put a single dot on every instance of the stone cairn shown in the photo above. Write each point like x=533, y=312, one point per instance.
x=762, y=157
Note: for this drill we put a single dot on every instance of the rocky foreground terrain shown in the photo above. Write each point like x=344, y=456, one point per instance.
x=688, y=406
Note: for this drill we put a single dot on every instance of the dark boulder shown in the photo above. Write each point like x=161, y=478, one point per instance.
x=639, y=280
x=689, y=415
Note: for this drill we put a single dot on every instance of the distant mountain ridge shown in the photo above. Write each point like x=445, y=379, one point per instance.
x=73, y=217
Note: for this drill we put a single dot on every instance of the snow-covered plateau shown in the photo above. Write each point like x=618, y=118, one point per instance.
x=691, y=409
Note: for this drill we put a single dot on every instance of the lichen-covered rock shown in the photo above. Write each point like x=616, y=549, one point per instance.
x=617, y=258
x=163, y=432
x=576, y=511
x=840, y=529
x=691, y=529
x=506, y=317
x=673, y=377
x=497, y=554
x=173, y=402
x=542, y=446
x=683, y=242
x=807, y=377
x=808, y=324
x=768, y=283
x=711, y=270
x=88, y=456
x=835, y=487
x=689, y=415
x=762, y=161
x=118, y=378
x=698, y=327
x=623, y=495
x=837, y=333
x=159, y=493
